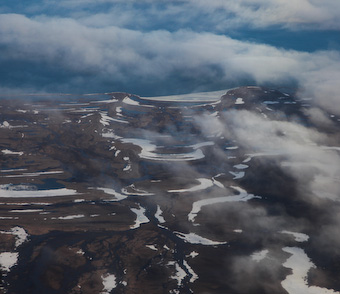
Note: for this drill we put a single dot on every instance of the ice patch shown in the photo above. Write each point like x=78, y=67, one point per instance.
x=105, y=119
x=296, y=283
x=141, y=218
x=106, y=101
x=237, y=175
x=4, y=193
x=197, y=205
x=110, y=134
x=193, y=254
x=152, y=247
x=26, y=210
x=69, y=217
x=149, y=151
x=136, y=192
x=36, y=174
x=193, y=238
x=81, y=252
x=193, y=275
x=247, y=160
x=231, y=148
x=241, y=166
x=180, y=273
x=109, y=283
x=8, y=260
x=158, y=215
x=270, y=102
x=217, y=183
x=299, y=237
x=128, y=165
x=5, y=124
x=203, y=184
x=25, y=203
x=129, y=101
x=9, y=152
x=239, y=101
x=12, y=170
x=19, y=233
x=192, y=97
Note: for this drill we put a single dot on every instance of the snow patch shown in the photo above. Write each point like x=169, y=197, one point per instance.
x=19, y=233
x=193, y=254
x=239, y=101
x=10, y=193
x=180, y=273
x=158, y=215
x=12, y=170
x=231, y=148
x=193, y=238
x=141, y=218
x=68, y=217
x=8, y=260
x=152, y=247
x=197, y=205
x=299, y=237
x=270, y=102
x=136, y=191
x=237, y=175
x=241, y=166
x=296, y=283
x=9, y=152
x=149, y=151
x=26, y=210
x=203, y=184
x=193, y=275
x=36, y=174
x=109, y=283
x=113, y=192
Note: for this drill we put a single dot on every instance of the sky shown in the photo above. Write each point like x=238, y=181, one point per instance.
x=153, y=48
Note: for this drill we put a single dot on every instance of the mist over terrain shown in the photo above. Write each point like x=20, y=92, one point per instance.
x=219, y=192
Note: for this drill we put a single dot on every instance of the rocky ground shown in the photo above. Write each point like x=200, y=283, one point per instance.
x=115, y=193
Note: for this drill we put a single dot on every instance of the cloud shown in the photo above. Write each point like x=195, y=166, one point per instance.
x=319, y=117
x=305, y=199
x=244, y=268
x=62, y=54
x=262, y=13
x=304, y=155
x=302, y=14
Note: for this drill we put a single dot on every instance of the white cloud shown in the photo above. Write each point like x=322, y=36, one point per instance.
x=317, y=14
x=127, y=57
x=304, y=157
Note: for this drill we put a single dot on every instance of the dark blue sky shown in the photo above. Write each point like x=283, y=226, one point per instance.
x=168, y=47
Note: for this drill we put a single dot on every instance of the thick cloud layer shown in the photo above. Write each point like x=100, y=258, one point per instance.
x=228, y=13
x=156, y=48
